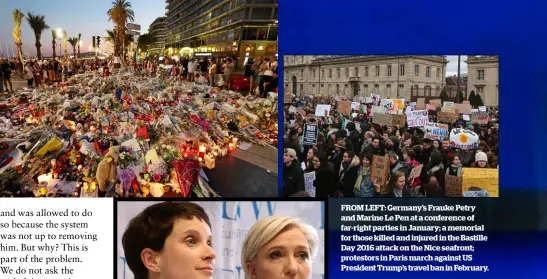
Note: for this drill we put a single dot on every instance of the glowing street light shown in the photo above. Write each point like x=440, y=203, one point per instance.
x=59, y=33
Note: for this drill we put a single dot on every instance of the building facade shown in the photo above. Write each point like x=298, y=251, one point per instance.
x=158, y=30
x=239, y=28
x=483, y=78
x=406, y=77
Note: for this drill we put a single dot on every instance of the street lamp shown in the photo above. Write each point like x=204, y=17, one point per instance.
x=59, y=32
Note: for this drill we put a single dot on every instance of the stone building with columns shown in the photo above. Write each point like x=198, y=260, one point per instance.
x=483, y=78
x=408, y=76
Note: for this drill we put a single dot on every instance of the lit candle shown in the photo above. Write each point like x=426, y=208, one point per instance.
x=234, y=141
x=53, y=163
x=209, y=162
x=199, y=159
x=202, y=149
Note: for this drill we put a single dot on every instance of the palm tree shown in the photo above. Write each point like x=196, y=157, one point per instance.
x=65, y=38
x=53, y=41
x=38, y=25
x=120, y=14
x=74, y=42
x=111, y=37
x=17, y=19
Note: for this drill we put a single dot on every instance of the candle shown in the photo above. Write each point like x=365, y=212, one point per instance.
x=44, y=178
x=226, y=140
x=202, y=149
x=199, y=159
x=234, y=141
x=53, y=163
x=209, y=162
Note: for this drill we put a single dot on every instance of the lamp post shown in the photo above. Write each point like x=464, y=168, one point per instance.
x=59, y=37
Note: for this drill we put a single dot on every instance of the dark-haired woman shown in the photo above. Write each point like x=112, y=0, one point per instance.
x=170, y=240
x=324, y=177
x=364, y=187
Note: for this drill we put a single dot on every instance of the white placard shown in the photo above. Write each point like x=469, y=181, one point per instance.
x=355, y=105
x=320, y=110
x=466, y=117
x=309, y=177
x=417, y=118
x=463, y=138
x=482, y=108
x=436, y=131
x=448, y=104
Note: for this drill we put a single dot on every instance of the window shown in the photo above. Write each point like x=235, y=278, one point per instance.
x=388, y=70
x=301, y=89
x=377, y=71
x=261, y=13
x=337, y=89
x=347, y=72
x=366, y=88
x=427, y=68
x=388, y=90
x=302, y=58
x=480, y=74
x=401, y=90
x=356, y=71
x=366, y=71
x=322, y=85
x=438, y=72
x=330, y=73
x=322, y=73
x=416, y=70
x=338, y=72
x=301, y=74
x=313, y=72
x=377, y=88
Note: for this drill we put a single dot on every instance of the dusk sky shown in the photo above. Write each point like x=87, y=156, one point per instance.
x=86, y=17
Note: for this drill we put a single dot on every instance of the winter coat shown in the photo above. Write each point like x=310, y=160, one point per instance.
x=346, y=178
x=324, y=183
x=364, y=187
x=293, y=178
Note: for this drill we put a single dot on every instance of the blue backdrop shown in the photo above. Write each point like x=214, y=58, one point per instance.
x=514, y=30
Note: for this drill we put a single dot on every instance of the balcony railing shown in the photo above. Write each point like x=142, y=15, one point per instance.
x=354, y=79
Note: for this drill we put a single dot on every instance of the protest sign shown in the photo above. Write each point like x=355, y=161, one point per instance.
x=449, y=109
x=487, y=179
x=463, y=108
x=453, y=186
x=368, y=100
x=465, y=117
x=398, y=104
x=447, y=117
x=380, y=169
x=377, y=109
x=309, y=177
x=448, y=104
x=292, y=109
x=301, y=111
x=430, y=107
x=408, y=109
x=482, y=108
x=375, y=99
x=398, y=120
x=463, y=138
x=382, y=119
x=420, y=104
x=310, y=134
x=436, y=131
x=287, y=97
x=387, y=104
x=435, y=102
x=355, y=105
x=417, y=118
x=415, y=173
x=480, y=117
x=344, y=107
x=320, y=110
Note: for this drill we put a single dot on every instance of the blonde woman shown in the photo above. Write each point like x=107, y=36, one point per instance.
x=279, y=247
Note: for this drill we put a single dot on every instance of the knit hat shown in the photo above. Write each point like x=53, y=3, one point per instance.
x=290, y=152
x=481, y=156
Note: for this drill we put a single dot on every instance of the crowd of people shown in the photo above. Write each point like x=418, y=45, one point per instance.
x=342, y=157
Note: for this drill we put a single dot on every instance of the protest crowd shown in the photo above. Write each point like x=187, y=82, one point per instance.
x=375, y=147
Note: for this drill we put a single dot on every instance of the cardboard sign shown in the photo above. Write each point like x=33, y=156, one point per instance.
x=420, y=104
x=463, y=108
x=415, y=173
x=368, y=100
x=417, y=118
x=449, y=109
x=487, y=179
x=355, y=105
x=448, y=104
x=398, y=120
x=378, y=109
x=292, y=109
x=320, y=110
x=453, y=186
x=287, y=97
x=344, y=107
x=436, y=131
x=447, y=117
x=301, y=111
x=480, y=117
x=382, y=119
x=435, y=102
x=310, y=134
x=309, y=177
x=463, y=138
x=380, y=169
x=430, y=107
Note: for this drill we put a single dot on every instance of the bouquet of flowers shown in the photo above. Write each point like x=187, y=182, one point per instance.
x=127, y=157
x=155, y=173
x=168, y=153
